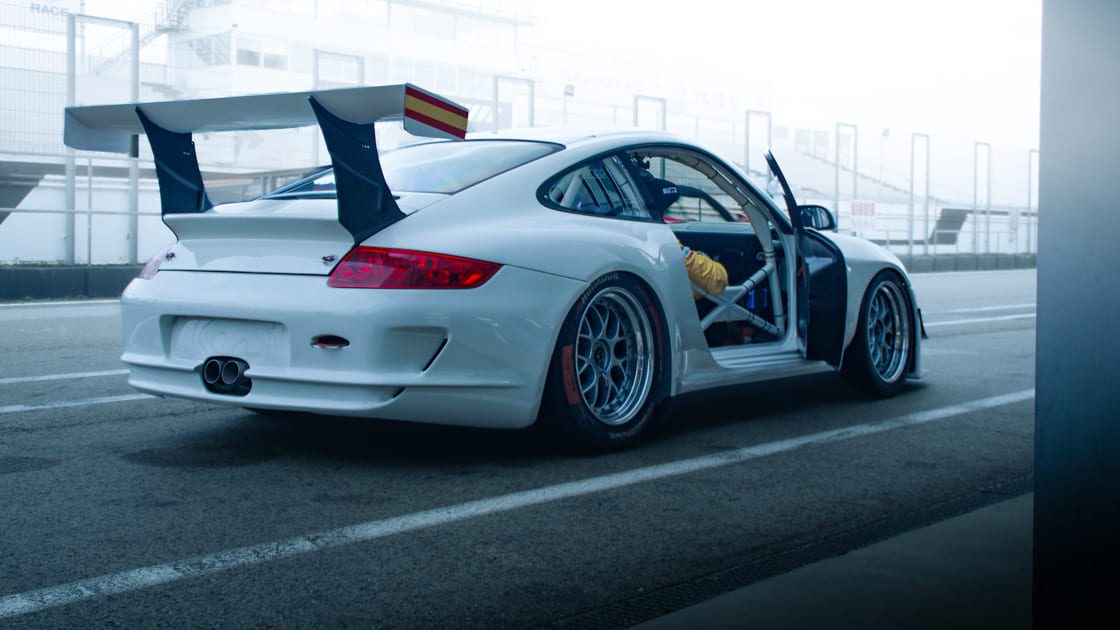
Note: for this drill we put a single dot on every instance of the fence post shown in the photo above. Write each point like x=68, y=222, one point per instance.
x=71, y=167
x=134, y=154
x=89, y=211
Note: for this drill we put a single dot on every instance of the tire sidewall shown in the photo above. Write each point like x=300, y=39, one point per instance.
x=563, y=400
x=866, y=373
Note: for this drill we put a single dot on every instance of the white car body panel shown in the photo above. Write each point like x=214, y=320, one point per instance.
x=864, y=260
x=489, y=373
x=475, y=357
x=242, y=236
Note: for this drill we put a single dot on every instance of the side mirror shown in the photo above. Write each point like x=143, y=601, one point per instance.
x=818, y=218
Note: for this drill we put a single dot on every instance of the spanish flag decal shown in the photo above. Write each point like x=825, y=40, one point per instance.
x=425, y=113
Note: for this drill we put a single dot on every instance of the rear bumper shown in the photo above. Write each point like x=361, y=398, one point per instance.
x=476, y=357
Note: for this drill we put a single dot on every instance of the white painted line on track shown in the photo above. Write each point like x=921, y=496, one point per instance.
x=946, y=352
x=56, y=303
x=36, y=600
x=73, y=403
x=980, y=309
x=60, y=377
x=980, y=320
x=976, y=272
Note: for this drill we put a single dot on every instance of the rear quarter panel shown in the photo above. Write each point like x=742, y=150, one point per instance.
x=501, y=220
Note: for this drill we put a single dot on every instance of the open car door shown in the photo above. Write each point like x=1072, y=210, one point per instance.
x=821, y=287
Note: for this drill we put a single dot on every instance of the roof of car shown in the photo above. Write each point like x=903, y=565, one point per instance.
x=561, y=135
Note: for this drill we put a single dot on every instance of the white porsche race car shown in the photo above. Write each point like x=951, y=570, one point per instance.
x=489, y=281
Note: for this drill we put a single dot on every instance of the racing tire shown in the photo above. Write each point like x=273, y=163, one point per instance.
x=881, y=352
x=607, y=377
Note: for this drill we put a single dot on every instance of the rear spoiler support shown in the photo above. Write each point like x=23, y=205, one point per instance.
x=346, y=117
x=181, y=190
x=365, y=203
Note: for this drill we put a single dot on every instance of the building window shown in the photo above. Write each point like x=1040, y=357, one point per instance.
x=212, y=50
x=262, y=53
x=275, y=62
x=248, y=57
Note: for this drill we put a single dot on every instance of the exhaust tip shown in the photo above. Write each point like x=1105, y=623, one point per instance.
x=231, y=371
x=211, y=371
x=226, y=375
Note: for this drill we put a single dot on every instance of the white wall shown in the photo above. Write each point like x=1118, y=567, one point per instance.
x=31, y=237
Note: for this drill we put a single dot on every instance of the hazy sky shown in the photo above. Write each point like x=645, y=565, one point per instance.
x=959, y=69
x=968, y=69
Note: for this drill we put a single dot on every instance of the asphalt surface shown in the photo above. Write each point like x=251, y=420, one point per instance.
x=100, y=495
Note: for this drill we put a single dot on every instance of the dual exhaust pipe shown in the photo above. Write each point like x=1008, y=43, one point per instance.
x=226, y=375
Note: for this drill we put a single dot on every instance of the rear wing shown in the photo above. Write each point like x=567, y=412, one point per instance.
x=346, y=117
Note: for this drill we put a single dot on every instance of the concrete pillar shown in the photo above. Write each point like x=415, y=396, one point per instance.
x=1077, y=435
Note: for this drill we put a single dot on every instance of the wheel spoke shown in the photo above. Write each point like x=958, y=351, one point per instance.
x=605, y=398
x=613, y=389
x=613, y=362
x=598, y=324
x=610, y=323
x=587, y=375
x=886, y=333
x=583, y=358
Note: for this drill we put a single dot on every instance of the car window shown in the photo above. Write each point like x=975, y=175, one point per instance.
x=434, y=167
x=693, y=205
x=602, y=186
x=699, y=198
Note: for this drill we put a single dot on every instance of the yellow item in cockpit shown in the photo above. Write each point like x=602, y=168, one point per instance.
x=705, y=273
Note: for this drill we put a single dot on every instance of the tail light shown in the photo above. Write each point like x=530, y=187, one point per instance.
x=152, y=266
x=380, y=268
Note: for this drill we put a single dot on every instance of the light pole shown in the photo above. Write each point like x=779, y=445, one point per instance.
x=569, y=91
x=925, y=198
x=882, y=149
x=855, y=164
x=747, y=139
x=976, y=196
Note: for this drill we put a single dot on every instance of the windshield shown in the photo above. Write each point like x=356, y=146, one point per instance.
x=434, y=167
